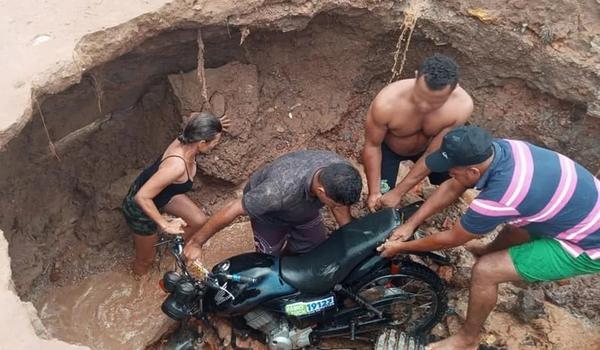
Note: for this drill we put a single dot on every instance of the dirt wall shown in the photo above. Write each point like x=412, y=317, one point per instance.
x=22, y=328
x=309, y=69
x=311, y=89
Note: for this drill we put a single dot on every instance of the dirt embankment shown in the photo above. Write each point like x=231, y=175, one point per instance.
x=302, y=78
x=22, y=326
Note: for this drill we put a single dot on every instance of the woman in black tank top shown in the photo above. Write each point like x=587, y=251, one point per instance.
x=161, y=187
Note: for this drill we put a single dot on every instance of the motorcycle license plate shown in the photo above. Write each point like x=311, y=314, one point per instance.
x=310, y=307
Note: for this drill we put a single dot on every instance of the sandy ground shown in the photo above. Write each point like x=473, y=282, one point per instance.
x=38, y=37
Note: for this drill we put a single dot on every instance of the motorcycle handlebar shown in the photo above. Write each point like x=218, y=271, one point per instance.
x=176, y=245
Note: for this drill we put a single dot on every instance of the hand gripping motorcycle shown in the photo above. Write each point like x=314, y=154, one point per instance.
x=342, y=288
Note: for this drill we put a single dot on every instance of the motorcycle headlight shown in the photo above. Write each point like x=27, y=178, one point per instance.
x=183, y=300
x=174, y=309
x=184, y=292
x=170, y=280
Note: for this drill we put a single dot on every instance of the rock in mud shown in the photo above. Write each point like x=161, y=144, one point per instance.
x=581, y=295
x=461, y=277
x=530, y=305
x=446, y=273
x=232, y=90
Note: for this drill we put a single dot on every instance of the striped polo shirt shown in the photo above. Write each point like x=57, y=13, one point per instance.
x=542, y=191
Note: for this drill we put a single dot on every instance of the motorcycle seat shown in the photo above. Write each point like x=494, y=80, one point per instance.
x=319, y=270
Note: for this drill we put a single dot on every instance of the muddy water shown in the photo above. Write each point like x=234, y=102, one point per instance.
x=235, y=239
x=112, y=311
x=115, y=311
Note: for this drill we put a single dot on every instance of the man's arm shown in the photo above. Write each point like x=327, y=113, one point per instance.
x=375, y=131
x=342, y=215
x=418, y=172
x=447, y=239
x=216, y=223
x=442, y=197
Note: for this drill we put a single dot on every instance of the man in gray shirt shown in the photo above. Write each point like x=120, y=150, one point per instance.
x=283, y=200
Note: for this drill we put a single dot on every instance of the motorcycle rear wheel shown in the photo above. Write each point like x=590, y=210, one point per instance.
x=412, y=297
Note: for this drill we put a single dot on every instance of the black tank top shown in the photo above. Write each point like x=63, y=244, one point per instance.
x=168, y=192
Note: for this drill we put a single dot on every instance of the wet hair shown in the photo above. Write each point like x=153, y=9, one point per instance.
x=439, y=71
x=200, y=127
x=342, y=183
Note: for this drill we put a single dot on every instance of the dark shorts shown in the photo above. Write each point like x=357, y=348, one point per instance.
x=279, y=240
x=390, y=163
x=137, y=220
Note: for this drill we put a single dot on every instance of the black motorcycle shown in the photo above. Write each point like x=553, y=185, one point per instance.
x=342, y=288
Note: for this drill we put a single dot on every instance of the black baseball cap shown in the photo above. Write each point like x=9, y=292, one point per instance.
x=462, y=146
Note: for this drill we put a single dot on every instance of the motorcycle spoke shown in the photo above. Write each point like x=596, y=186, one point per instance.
x=428, y=304
x=406, y=301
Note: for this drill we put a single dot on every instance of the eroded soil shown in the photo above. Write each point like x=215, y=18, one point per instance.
x=71, y=249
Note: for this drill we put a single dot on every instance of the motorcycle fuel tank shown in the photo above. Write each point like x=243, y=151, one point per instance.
x=245, y=296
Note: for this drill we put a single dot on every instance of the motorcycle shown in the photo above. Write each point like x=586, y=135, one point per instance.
x=342, y=288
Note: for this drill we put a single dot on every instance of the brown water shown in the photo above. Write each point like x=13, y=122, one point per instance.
x=109, y=311
x=116, y=311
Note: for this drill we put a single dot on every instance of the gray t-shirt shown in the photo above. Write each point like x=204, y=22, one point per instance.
x=279, y=193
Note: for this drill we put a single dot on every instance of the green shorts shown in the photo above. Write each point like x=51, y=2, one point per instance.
x=137, y=220
x=544, y=259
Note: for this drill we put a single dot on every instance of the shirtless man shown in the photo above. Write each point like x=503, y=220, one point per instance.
x=407, y=120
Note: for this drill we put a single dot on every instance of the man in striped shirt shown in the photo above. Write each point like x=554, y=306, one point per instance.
x=549, y=203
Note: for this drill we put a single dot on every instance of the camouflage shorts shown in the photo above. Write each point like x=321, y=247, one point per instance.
x=137, y=220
